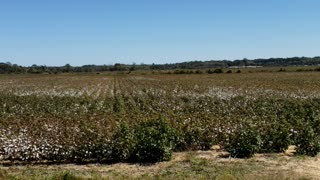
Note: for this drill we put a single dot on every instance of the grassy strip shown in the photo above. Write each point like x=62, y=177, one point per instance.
x=184, y=166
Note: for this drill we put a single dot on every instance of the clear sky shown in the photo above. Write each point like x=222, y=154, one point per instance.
x=56, y=32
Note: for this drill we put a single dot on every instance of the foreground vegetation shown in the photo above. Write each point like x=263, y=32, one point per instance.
x=143, y=118
x=190, y=165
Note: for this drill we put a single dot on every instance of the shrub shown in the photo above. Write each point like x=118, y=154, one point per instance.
x=123, y=143
x=194, y=138
x=275, y=138
x=190, y=72
x=198, y=71
x=243, y=144
x=308, y=142
x=218, y=71
x=155, y=141
x=181, y=72
x=282, y=70
x=210, y=71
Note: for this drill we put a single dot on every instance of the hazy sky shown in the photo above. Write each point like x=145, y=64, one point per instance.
x=56, y=32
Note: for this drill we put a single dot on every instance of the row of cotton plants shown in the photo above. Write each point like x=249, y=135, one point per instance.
x=72, y=129
x=238, y=112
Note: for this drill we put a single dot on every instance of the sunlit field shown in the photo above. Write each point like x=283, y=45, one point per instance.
x=98, y=117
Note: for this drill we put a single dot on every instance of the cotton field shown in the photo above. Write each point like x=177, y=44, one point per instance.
x=74, y=117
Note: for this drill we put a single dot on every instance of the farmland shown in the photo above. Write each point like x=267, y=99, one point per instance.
x=105, y=117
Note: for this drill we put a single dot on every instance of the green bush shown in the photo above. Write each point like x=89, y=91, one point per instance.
x=243, y=144
x=123, y=143
x=198, y=71
x=155, y=141
x=183, y=72
x=215, y=71
x=210, y=71
x=308, y=142
x=218, y=71
x=282, y=70
x=275, y=138
x=194, y=138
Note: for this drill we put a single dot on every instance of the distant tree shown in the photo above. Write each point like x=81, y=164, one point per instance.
x=133, y=67
x=34, y=69
x=67, y=68
x=201, y=66
x=245, y=62
x=119, y=67
x=9, y=63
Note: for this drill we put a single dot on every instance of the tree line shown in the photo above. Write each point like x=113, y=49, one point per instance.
x=9, y=68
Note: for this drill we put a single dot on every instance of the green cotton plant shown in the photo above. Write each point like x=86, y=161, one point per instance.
x=307, y=136
x=123, y=143
x=155, y=140
x=195, y=137
x=243, y=143
x=118, y=106
x=308, y=141
x=275, y=137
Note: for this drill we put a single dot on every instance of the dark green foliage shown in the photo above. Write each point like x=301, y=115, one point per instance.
x=183, y=72
x=304, y=119
x=282, y=70
x=194, y=138
x=155, y=141
x=149, y=141
x=118, y=104
x=200, y=72
x=123, y=143
x=179, y=72
x=210, y=71
x=308, y=142
x=243, y=144
x=218, y=71
x=275, y=138
x=7, y=68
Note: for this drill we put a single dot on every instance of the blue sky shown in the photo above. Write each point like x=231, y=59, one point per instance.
x=82, y=32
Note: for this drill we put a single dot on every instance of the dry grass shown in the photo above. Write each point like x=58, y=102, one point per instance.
x=186, y=165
